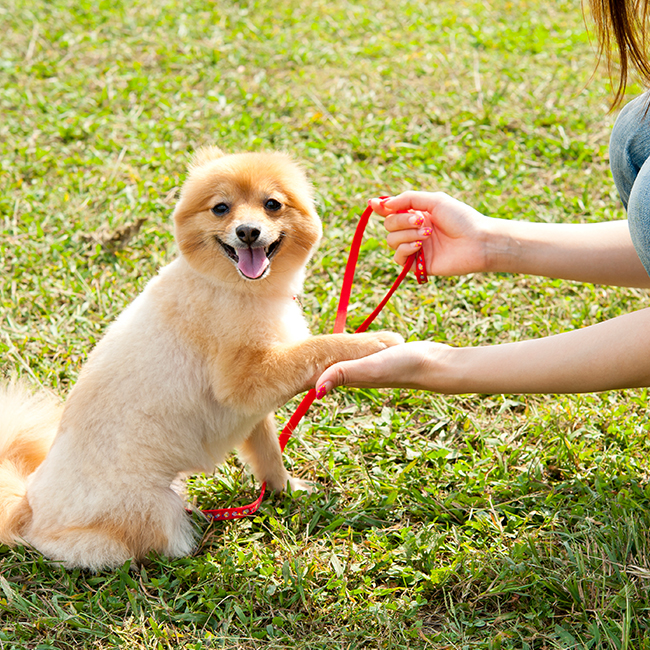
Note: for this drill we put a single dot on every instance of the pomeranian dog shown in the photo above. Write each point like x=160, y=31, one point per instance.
x=192, y=369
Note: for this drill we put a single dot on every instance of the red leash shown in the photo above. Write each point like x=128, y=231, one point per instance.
x=339, y=326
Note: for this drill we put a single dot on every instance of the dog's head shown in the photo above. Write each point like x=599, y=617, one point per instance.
x=246, y=217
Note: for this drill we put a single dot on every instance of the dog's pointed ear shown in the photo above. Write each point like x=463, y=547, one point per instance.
x=205, y=155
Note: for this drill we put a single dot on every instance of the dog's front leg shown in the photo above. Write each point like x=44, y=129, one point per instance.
x=276, y=374
x=261, y=450
x=310, y=358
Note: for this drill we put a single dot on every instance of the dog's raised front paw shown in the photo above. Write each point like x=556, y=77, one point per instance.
x=389, y=339
x=378, y=341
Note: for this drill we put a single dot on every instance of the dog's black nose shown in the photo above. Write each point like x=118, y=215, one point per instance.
x=248, y=234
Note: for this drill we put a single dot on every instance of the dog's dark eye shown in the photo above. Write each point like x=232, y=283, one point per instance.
x=220, y=209
x=273, y=205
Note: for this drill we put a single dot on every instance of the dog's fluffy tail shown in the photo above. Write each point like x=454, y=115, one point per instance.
x=28, y=424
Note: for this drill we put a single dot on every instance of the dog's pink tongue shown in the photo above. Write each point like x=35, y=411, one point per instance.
x=252, y=261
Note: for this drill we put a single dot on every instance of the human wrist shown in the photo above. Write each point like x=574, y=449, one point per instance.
x=441, y=369
x=458, y=370
x=502, y=248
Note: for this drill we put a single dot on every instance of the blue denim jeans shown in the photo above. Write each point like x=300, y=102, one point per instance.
x=629, y=159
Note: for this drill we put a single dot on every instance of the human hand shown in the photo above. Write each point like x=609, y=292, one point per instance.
x=409, y=365
x=609, y=355
x=451, y=234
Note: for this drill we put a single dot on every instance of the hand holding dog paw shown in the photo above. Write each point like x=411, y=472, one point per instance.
x=409, y=365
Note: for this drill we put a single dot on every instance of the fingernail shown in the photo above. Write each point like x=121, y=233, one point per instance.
x=417, y=244
x=426, y=232
x=323, y=390
x=416, y=221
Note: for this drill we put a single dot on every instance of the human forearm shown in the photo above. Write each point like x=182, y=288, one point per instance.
x=610, y=355
x=456, y=239
x=601, y=253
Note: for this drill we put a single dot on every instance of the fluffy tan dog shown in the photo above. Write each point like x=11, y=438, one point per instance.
x=193, y=368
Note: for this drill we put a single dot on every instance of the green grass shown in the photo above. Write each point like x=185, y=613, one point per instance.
x=440, y=522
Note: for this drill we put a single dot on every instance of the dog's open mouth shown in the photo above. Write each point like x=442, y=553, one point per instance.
x=252, y=262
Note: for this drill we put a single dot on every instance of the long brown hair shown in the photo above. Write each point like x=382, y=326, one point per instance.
x=621, y=24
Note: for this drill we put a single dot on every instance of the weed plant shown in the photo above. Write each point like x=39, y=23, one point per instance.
x=458, y=522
